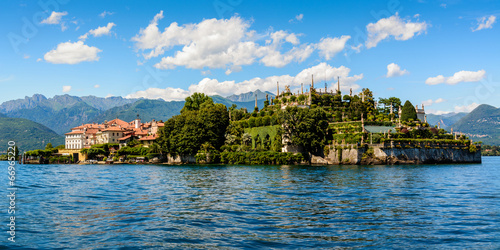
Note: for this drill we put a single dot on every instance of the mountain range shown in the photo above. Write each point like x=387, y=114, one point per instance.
x=52, y=117
x=57, y=115
x=482, y=124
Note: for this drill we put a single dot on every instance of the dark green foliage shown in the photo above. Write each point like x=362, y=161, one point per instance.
x=387, y=102
x=195, y=101
x=184, y=134
x=305, y=128
x=408, y=113
x=267, y=157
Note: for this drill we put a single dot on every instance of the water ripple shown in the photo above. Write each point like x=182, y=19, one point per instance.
x=124, y=206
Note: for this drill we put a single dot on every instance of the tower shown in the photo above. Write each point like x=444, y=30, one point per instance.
x=256, y=101
x=309, y=100
x=137, y=121
x=312, y=81
x=338, y=84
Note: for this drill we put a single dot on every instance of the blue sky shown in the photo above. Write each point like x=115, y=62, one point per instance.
x=440, y=53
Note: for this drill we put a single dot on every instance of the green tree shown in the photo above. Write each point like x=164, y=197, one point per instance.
x=185, y=133
x=387, y=102
x=408, y=112
x=305, y=128
x=49, y=146
x=195, y=101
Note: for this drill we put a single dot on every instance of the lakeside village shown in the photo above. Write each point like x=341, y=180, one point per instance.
x=318, y=126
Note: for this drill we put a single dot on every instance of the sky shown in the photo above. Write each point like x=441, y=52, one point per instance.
x=443, y=54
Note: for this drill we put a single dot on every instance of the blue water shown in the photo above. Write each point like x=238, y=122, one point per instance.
x=92, y=206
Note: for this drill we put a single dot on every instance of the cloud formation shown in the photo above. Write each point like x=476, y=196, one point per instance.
x=54, y=18
x=485, y=23
x=66, y=89
x=72, y=53
x=394, y=70
x=461, y=76
x=209, y=86
x=394, y=26
x=466, y=108
x=329, y=47
x=226, y=44
x=100, y=31
x=106, y=13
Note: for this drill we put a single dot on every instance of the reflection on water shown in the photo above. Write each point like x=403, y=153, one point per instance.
x=72, y=206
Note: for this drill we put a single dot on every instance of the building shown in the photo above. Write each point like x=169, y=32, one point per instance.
x=421, y=113
x=114, y=131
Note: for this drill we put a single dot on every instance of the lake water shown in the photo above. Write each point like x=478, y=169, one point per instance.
x=93, y=206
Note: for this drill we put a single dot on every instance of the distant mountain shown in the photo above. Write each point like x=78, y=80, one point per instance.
x=445, y=120
x=63, y=112
x=482, y=124
x=250, y=96
x=147, y=110
x=59, y=120
x=27, y=135
x=106, y=103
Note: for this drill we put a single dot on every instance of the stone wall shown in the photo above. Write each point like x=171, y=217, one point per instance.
x=390, y=156
x=178, y=159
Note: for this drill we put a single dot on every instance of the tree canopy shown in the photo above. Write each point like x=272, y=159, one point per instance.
x=305, y=128
x=195, y=101
x=408, y=112
x=200, y=122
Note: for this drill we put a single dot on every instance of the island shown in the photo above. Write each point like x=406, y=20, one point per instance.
x=311, y=126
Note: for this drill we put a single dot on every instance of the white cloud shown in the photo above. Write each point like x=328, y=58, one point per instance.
x=485, y=22
x=461, y=76
x=394, y=70
x=168, y=94
x=400, y=29
x=329, y=47
x=66, y=89
x=97, y=86
x=209, y=86
x=298, y=18
x=106, y=13
x=427, y=102
x=100, y=31
x=54, y=18
x=109, y=95
x=26, y=56
x=443, y=5
x=439, y=100
x=218, y=43
x=357, y=48
x=72, y=53
x=430, y=102
x=466, y=108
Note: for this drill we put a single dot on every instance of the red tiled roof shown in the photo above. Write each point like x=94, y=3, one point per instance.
x=118, y=122
x=114, y=129
x=74, y=132
x=148, y=138
x=125, y=138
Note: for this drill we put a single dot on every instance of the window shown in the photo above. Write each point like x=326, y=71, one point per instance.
x=113, y=139
x=113, y=134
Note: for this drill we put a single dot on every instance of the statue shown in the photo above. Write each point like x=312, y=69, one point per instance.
x=287, y=89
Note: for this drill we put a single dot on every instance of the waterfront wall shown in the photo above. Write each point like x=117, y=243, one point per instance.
x=379, y=155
